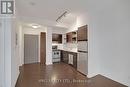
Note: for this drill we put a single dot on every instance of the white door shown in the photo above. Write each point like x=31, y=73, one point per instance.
x=1, y=54
x=82, y=62
x=31, y=51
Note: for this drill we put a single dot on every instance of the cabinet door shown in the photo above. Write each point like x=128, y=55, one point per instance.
x=60, y=38
x=65, y=57
x=82, y=33
x=54, y=37
x=69, y=37
x=75, y=60
x=57, y=38
x=72, y=59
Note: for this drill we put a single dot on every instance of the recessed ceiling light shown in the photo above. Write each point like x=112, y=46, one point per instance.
x=35, y=26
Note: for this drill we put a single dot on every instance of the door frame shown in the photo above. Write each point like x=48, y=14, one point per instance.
x=43, y=55
x=38, y=47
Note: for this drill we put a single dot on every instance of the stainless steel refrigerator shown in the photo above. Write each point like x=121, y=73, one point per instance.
x=82, y=60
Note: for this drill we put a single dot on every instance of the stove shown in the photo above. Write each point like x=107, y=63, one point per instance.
x=56, y=54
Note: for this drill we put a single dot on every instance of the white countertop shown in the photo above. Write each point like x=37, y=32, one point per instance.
x=70, y=50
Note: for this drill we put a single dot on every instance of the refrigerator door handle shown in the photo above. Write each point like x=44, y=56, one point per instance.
x=82, y=51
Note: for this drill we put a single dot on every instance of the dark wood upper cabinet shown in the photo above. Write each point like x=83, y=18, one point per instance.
x=71, y=37
x=82, y=34
x=57, y=38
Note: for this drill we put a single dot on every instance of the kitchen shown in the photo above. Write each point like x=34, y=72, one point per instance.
x=71, y=48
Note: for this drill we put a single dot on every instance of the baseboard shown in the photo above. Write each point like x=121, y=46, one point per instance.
x=92, y=75
x=109, y=77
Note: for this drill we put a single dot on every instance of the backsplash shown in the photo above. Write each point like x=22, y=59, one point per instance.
x=59, y=46
x=70, y=46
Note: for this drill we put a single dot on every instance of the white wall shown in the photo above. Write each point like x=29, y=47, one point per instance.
x=73, y=27
x=49, y=46
x=109, y=48
x=15, y=58
x=58, y=30
x=7, y=53
x=9, y=61
x=20, y=42
x=1, y=53
x=9, y=68
x=108, y=28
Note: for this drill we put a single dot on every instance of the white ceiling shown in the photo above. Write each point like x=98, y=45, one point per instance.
x=49, y=10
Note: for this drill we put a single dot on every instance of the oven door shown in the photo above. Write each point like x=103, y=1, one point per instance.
x=56, y=56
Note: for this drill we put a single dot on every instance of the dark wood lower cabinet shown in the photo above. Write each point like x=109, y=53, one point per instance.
x=65, y=58
x=74, y=60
